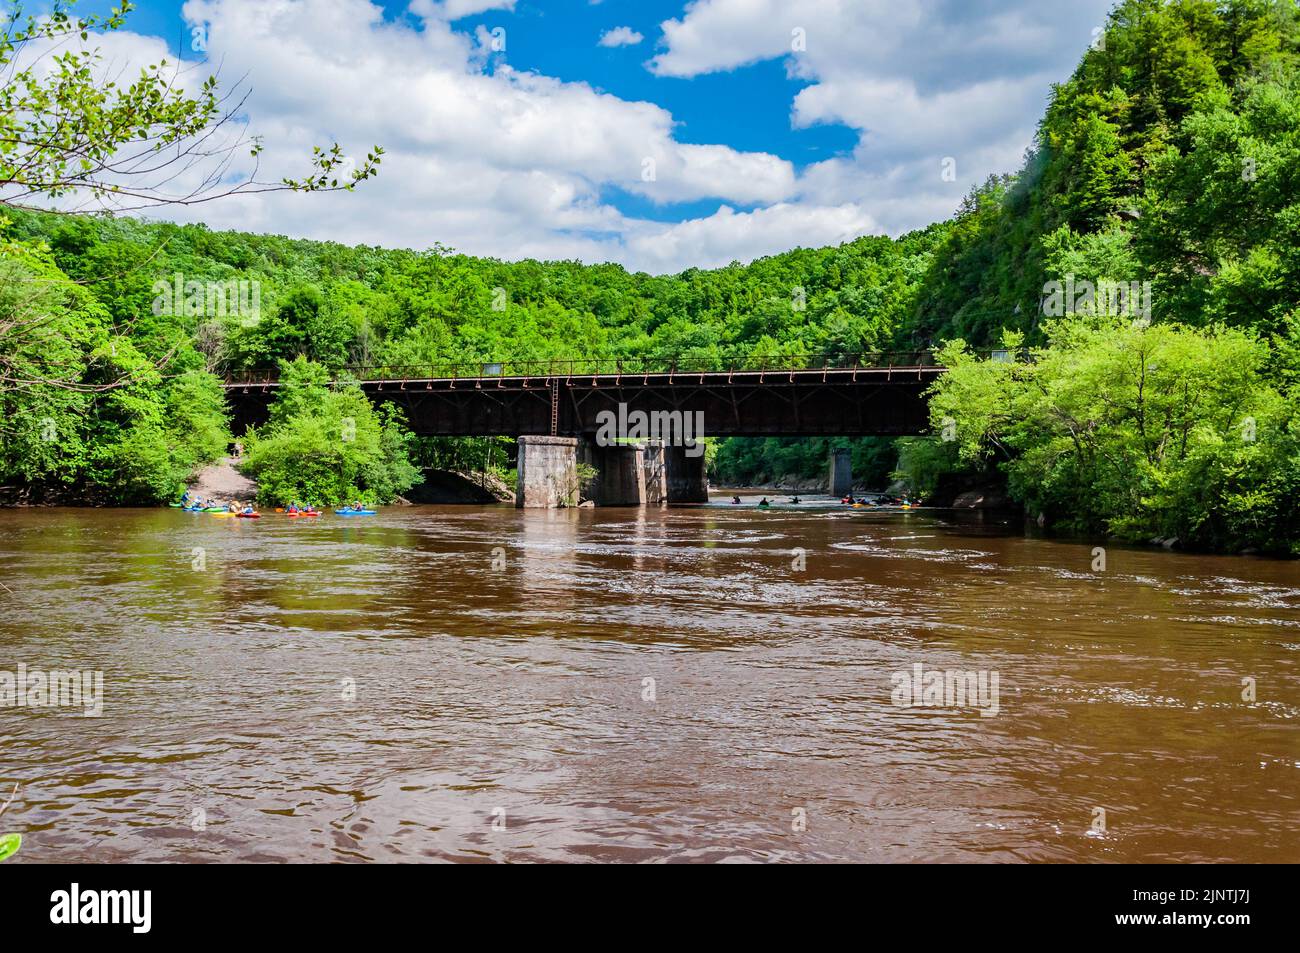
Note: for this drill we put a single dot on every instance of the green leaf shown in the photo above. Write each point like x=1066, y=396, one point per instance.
x=9, y=844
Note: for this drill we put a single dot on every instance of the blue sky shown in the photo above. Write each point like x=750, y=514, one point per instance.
x=728, y=129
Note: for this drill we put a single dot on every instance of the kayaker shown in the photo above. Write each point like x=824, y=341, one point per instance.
x=248, y=510
x=293, y=508
x=794, y=499
x=735, y=500
x=763, y=504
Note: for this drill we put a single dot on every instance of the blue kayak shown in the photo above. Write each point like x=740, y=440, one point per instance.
x=354, y=513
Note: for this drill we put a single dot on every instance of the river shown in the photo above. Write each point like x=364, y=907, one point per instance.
x=701, y=684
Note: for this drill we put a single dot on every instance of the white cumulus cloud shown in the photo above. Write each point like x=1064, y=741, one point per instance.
x=495, y=160
x=620, y=36
x=942, y=93
x=500, y=162
x=728, y=235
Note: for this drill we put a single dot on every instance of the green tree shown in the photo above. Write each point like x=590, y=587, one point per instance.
x=1135, y=431
x=84, y=413
x=1221, y=216
x=67, y=132
x=327, y=444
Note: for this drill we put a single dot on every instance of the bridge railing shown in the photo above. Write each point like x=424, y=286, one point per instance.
x=704, y=362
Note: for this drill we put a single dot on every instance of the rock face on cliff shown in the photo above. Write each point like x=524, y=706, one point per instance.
x=985, y=498
x=452, y=486
x=964, y=492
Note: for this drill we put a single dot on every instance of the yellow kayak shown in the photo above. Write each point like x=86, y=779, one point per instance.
x=222, y=514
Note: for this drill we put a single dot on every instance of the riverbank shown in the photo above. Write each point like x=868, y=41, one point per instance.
x=992, y=499
x=222, y=481
x=805, y=486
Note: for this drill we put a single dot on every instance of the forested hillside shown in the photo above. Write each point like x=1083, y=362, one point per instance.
x=1167, y=166
x=1169, y=156
x=339, y=306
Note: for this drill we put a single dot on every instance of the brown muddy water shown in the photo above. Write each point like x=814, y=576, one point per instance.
x=491, y=684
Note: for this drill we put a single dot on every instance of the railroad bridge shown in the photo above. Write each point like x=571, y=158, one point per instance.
x=556, y=409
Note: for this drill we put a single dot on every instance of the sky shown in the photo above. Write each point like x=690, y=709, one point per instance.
x=661, y=135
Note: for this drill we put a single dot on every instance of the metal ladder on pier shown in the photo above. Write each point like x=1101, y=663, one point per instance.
x=555, y=406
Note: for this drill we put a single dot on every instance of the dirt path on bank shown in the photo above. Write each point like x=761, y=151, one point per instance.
x=221, y=481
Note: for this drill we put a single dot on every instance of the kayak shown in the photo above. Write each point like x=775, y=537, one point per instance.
x=222, y=514
x=308, y=513
x=249, y=516
x=215, y=509
x=354, y=513
x=179, y=506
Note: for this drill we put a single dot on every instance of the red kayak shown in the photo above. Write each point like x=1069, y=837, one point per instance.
x=249, y=516
x=301, y=513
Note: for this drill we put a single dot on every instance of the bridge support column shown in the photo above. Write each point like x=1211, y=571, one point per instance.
x=840, y=479
x=548, y=472
x=685, y=476
x=620, y=468
x=656, y=479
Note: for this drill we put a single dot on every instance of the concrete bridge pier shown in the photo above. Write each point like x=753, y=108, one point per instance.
x=547, y=472
x=840, y=478
x=684, y=475
x=655, y=479
x=627, y=474
x=621, y=475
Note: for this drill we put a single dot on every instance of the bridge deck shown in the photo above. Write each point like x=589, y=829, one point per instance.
x=816, y=376
x=568, y=397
